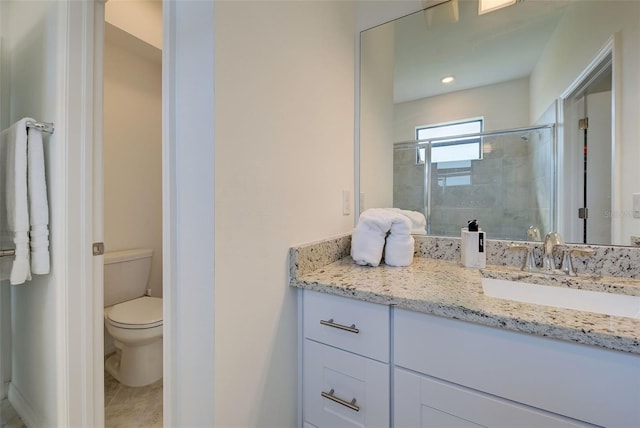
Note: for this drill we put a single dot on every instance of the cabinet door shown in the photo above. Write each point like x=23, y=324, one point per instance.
x=582, y=382
x=421, y=401
x=342, y=389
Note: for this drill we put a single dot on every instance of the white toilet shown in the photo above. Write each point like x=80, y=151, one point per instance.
x=132, y=318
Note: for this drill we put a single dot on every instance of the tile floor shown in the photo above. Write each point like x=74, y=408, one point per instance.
x=8, y=416
x=127, y=407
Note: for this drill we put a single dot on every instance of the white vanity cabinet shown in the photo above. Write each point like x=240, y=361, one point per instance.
x=367, y=365
x=454, y=373
x=345, y=362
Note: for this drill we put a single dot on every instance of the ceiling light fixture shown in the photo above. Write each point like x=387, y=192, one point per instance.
x=447, y=79
x=486, y=6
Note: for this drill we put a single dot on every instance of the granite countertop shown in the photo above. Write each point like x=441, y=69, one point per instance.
x=445, y=288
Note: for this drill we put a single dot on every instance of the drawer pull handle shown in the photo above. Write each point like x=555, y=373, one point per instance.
x=351, y=329
x=350, y=404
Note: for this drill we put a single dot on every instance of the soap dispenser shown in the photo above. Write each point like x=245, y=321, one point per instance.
x=472, y=247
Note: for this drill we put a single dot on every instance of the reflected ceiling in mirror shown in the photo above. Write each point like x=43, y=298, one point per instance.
x=502, y=45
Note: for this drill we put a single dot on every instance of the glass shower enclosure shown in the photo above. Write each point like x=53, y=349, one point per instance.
x=508, y=185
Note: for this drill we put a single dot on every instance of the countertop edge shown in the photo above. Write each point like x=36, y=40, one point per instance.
x=485, y=318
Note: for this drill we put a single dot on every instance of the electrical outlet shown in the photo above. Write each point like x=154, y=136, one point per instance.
x=346, y=202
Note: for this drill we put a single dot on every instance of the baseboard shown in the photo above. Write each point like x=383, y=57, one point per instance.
x=23, y=408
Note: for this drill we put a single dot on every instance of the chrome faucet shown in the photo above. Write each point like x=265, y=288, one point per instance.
x=550, y=242
x=533, y=233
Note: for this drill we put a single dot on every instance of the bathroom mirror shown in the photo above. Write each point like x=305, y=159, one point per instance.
x=516, y=67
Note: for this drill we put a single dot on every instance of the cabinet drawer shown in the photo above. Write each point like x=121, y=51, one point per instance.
x=424, y=402
x=326, y=315
x=586, y=383
x=342, y=389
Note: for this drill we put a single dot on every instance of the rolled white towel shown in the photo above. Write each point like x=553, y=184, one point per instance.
x=399, y=250
x=367, y=242
x=418, y=220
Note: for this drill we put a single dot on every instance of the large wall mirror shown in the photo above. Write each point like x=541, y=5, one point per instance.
x=525, y=75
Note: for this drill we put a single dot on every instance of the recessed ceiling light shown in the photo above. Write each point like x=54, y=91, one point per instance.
x=486, y=6
x=447, y=79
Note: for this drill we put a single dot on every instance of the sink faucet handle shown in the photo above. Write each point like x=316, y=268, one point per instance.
x=583, y=251
x=567, y=265
x=529, y=263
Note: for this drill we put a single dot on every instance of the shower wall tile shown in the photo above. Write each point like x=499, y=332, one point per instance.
x=509, y=188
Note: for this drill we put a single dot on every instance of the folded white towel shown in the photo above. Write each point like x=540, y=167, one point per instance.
x=14, y=218
x=418, y=220
x=38, y=205
x=368, y=240
x=399, y=249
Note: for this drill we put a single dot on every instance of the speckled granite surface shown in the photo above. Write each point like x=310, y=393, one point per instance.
x=605, y=260
x=310, y=257
x=435, y=283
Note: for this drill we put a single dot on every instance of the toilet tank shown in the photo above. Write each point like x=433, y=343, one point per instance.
x=126, y=275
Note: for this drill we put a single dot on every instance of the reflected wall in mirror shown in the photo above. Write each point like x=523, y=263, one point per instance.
x=533, y=63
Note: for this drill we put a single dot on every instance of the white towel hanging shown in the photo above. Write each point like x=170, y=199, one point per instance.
x=14, y=222
x=24, y=211
x=38, y=204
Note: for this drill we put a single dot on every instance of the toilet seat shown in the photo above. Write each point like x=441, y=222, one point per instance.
x=141, y=313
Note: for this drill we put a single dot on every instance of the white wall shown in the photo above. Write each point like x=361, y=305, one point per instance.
x=49, y=77
x=132, y=149
x=141, y=18
x=30, y=60
x=284, y=153
x=583, y=31
x=503, y=106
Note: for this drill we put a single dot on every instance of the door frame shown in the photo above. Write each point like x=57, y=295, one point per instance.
x=79, y=321
x=567, y=206
x=188, y=158
x=188, y=215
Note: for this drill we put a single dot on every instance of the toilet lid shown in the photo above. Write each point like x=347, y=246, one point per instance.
x=143, y=312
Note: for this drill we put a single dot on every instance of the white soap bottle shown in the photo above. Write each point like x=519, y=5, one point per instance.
x=472, y=247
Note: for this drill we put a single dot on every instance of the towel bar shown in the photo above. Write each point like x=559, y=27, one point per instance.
x=7, y=253
x=42, y=126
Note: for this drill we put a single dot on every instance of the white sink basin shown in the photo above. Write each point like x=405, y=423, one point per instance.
x=620, y=305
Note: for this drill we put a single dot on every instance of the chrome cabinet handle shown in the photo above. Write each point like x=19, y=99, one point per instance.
x=350, y=404
x=7, y=253
x=351, y=329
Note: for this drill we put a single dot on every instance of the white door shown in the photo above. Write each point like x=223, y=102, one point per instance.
x=598, y=186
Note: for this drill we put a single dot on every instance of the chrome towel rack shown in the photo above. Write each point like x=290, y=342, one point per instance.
x=44, y=127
